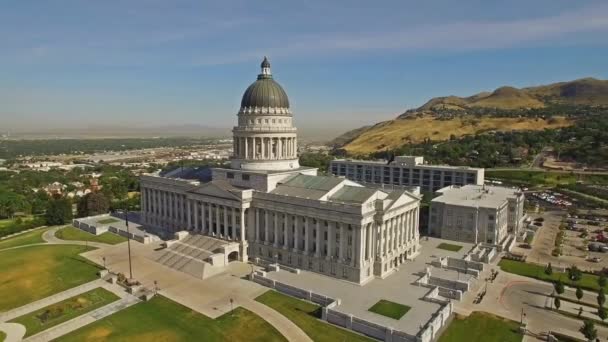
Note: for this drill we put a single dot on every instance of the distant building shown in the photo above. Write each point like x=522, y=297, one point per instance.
x=476, y=214
x=407, y=171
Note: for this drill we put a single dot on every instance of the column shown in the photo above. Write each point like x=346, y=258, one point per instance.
x=286, y=230
x=189, y=206
x=225, y=230
x=297, y=235
x=354, y=246
x=368, y=241
x=242, y=225
x=195, y=216
x=266, y=229
x=257, y=225
x=246, y=149
x=306, y=235
x=217, y=220
x=330, y=237
x=234, y=237
x=204, y=225
x=384, y=237
x=342, y=241
x=276, y=229
x=263, y=148
x=318, y=249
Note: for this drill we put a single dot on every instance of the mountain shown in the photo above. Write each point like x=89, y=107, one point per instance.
x=503, y=109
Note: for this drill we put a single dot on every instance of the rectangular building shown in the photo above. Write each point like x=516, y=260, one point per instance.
x=476, y=214
x=406, y=171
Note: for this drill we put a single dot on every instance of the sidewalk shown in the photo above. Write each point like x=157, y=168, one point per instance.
x=58, y=297
x=14, y=331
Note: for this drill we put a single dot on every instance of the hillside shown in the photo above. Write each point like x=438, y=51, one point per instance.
x=504, y=109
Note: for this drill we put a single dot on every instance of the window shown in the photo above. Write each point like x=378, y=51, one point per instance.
x=344, y=272
x=230, y=175
x=245, y=177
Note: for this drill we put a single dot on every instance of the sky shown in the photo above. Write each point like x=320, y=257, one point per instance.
x=344, y=64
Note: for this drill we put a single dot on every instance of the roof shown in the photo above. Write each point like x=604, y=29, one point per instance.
x=353, y=194
x=265, y=92
x=306, y=186
x=475, y=196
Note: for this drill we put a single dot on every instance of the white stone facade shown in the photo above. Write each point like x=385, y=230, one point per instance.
x=280, y=212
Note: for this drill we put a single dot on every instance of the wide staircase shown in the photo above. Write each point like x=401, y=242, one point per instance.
x=189, y=255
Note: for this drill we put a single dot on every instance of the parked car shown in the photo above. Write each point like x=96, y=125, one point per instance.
x=594, y=259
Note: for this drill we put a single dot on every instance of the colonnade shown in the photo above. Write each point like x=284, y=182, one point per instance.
x=162, y=207
x=396, y=232
x=265, y=148
x=217, y=220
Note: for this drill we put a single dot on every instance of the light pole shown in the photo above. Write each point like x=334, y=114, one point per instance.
x=104, y=263
x=128, y=240
x=155, y=287
x=231, y=307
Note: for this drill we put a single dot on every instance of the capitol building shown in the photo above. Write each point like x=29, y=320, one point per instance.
x=272, y=210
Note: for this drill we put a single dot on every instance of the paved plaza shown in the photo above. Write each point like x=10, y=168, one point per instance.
x=398, y=287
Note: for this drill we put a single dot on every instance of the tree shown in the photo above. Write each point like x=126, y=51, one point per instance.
x=549, y=269
x=588, y=330
x=94, y=203
x=557, y=303
x=602, y=313
x=579, y=293
x=602, y=281
x=58, y=211
x=580, y=311
x=574, y=273
x=559, y=287
x=601, y=298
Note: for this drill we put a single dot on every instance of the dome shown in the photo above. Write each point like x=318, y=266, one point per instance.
x=265, y=92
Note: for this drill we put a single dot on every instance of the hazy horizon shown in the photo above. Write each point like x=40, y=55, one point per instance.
x=69, y=65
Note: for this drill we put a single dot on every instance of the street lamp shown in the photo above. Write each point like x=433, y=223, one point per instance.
x=128, y=239
x=155, y=287
x=231, y=307
x=104, y=263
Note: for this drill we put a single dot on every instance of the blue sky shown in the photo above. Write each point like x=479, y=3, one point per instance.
x=343, y=63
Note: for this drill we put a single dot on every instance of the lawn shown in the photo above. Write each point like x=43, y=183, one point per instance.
x=161, y=319
x=63, y=311
x=28, y=238
x=390, y=309
x=588, y=281
x=481, y=327
x=71, y=233
x=306, y=315
x=449, y=247
x=2, y=336
x=108, y=220
x=32, y=273
x=15, y=225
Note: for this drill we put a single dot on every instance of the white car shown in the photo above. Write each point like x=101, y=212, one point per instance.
x=594, y=259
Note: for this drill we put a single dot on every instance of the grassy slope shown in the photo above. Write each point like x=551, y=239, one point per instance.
x=71, y=233
x=481, y=327
x=161, y=319
x=588, y=281
x=32, y=273
x=304, y=315
x=24, y=239
x=69, y=308
x=2, y=336
x=395, y=133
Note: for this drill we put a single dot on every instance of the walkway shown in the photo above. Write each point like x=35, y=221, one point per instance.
x=58, y=297
x=14, y=331
x=286, y=327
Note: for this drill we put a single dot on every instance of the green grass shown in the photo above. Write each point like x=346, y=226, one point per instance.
x=32, y=273
x=75, y=234
x=481, y=327
x=390, y=309
x=16, y=225
x=306, y=315
x=161, y=319
x=108, y=221
x=588, y=281
x=24, y=239
x=529, y=238
x=63, y=311
x=449, y=247
x=544, y=177
x=2, y=336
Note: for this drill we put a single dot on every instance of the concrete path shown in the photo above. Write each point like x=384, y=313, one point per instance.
x=286, y=327
x=20, y=311
x=52, y=333
x=49, y=237
x=14, y=332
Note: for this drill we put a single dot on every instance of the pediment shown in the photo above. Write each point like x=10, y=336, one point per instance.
x=214, y=190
